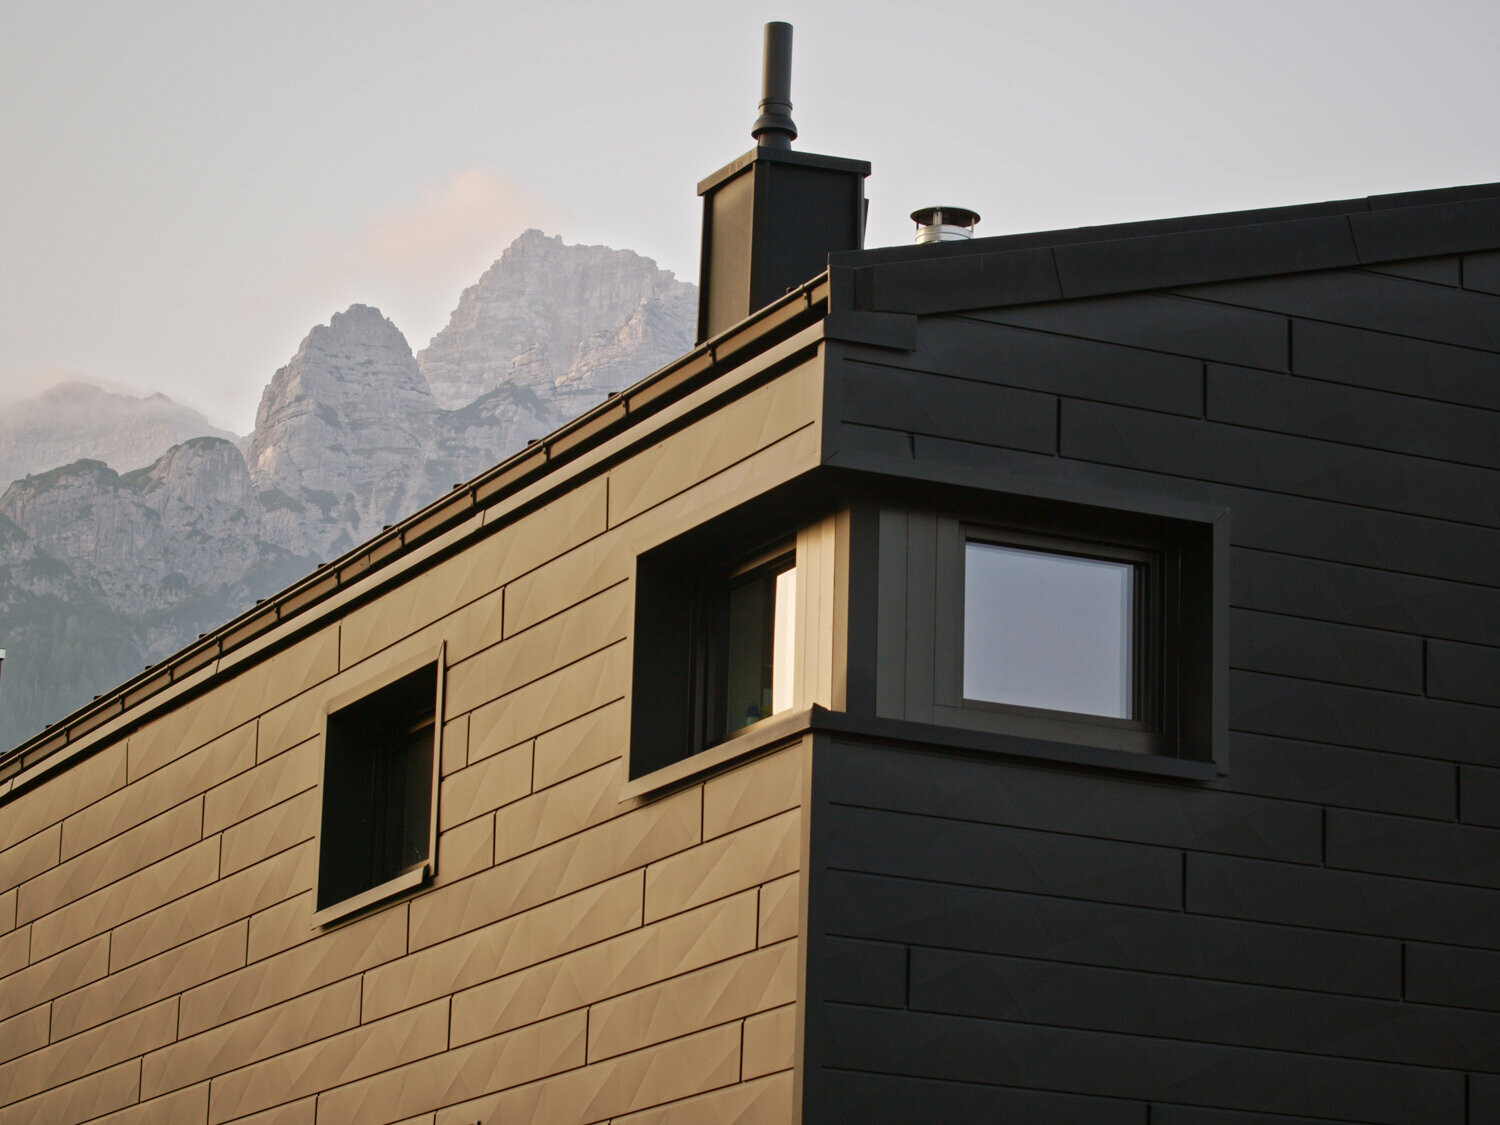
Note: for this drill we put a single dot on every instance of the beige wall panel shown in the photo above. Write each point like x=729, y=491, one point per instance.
x=178, y=969
x=278, y=828
x=185, y=1107
x=729, y=990
x=30, y=857
x=61, y=795
x=342, y=1058
x=766, y=1101
x=580, y=745
x=269, y=783
x=564, y=522
x=550, y=701
x=185, y=778
x=341, y=953
x=466, y=850
x=24, y=1033
x=42, y=980
x=461, y=1075
x=420, y=1119
x=92, y=1051
x=578, y=803
x=770, y=1041
x=722, y=866
x=461, y=592
x=567, y=580
x=237, y=699
x=7, y=912
x=455, y=745
x=251, y=1039
x=781, y=908
x=282, y=925
x=469, y=631
x=15, y=951
x=79, y=1101
x=817, y=589
x=789, y=457
x=145, y=890
x=485, y=786
x=728, y=435
x=754, y=791
x=677, y=945
x=225, y=901
x=123, y=855
x=303, y=1112
x=289, y=723
x=548, y=930
x=583, y=628
x=616, y=1086
x=619, y=845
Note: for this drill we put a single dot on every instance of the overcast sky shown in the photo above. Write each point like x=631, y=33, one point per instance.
x=189, y=187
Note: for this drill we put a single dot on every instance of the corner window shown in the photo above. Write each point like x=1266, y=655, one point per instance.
x=1057, y=623
x=380, y=773
x=734, y=628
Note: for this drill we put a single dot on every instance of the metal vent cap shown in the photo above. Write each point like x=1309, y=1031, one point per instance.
x=944, y=224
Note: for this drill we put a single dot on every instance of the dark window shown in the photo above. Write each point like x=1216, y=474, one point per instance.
x=379, y=777
x=714, y=649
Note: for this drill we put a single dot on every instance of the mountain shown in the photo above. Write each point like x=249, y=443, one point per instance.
x=74, y=420
x=567, y=323
x=102, y=571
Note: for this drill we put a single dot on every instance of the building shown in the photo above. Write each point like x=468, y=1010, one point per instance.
x=1045, y=678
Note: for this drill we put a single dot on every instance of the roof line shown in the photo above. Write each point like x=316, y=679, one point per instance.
x=731, y=347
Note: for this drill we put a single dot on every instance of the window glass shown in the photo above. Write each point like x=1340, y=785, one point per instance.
x=1049, y=630
x=758, y=654
x=377, y=787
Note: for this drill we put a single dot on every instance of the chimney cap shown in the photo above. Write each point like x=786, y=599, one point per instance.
x=944, y=223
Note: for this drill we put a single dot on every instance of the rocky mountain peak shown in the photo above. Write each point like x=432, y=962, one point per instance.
x=543, y=310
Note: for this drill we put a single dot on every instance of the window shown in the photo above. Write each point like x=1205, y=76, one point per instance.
x=750, y=657
x=1058, y=624
x=1049, y=630
x=735, y=628
x=380, y=771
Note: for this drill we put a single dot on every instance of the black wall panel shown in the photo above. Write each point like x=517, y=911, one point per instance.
x=1313, y=936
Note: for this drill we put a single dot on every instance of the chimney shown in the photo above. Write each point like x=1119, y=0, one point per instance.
x=772, y=217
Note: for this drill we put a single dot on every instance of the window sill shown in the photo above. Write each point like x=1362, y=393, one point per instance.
x=411, y=877
x=764, y=735
x=1009, y=745
x=781, y=729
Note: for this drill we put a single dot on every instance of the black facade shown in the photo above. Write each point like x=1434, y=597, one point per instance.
x=1303, y=923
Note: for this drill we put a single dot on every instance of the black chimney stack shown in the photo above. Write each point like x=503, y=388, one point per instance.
x=774, y=127
x=772, y=217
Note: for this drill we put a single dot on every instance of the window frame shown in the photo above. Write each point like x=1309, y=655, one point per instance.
x=919, y=624
x=1146, y=731
x=413, y=875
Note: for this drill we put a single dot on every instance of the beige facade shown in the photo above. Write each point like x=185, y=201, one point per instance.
x=587, y=948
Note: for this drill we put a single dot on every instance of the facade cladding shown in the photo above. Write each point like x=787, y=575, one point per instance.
x=703, y=782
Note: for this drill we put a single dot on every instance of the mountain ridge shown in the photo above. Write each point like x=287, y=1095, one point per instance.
x=350, y=436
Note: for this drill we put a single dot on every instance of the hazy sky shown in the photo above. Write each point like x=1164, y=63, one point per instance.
x=188, y=187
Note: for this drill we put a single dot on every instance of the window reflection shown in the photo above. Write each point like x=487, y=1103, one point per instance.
x=759, y=646
x=1049, y=630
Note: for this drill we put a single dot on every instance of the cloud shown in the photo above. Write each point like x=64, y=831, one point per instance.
x=412, y=263
x=475, y=214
